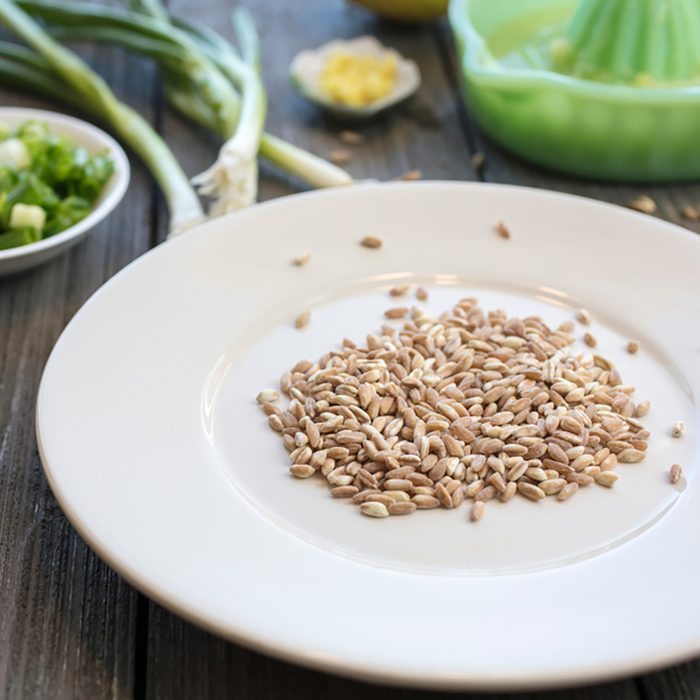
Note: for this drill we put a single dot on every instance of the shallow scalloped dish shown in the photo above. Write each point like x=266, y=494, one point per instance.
x=307, y=66
x=582, y=127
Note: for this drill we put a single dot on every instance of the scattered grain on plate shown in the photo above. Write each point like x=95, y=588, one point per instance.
x=402, y=508
x=267, y=395
x=470, y=405
x=590, y=340
x=503, y=230
x=396, y=312
x=606, y=478
x=340, y=156
x=675, y=473
x=642, y=409
x=567, y=492
x=411, y=175
x=632, y=347
x=302, y=471
x=399, y=290
x=374, y=509
x=351, y=138
x=422, y=294
x=478, y=161
x=691, y=213
x=567, y=327
x=510, y=491
x=477, y=511
x=301, y=260
x=678, y=429
x=371, y=242
x=534, y=493
x=583, y=317
x=344, y=491
x=643, y=203
x=302, y=320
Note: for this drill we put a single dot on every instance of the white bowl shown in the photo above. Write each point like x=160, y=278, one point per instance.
x=94, y=140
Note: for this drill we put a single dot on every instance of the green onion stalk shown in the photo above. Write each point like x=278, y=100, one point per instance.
x=233, y=179
x=177, y=47
x=76, y=78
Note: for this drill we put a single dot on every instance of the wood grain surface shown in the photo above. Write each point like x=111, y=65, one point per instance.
x=69, y=626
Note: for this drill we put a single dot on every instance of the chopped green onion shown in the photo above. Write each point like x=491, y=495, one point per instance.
x=18, y=237
x=14, y=154
x=79, y=78
x=27, y=216
x=177, y=48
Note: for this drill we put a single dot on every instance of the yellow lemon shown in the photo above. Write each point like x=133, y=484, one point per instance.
x=406, y=10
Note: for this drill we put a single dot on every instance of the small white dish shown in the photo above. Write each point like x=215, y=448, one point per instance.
x=154, y=445
x=94, y=140
x=307, y=67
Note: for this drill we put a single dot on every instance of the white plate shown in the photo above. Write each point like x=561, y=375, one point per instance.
x=156, y=450
x=94, y=140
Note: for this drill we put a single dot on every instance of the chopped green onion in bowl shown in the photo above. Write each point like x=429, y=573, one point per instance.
x=47, y=183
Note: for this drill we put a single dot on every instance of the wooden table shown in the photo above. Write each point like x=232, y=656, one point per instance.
x=69, y=626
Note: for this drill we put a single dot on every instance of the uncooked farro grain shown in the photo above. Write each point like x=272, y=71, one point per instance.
x=267, y=395
x=374, y=509
x=502, y=230
x=477, y=511
x=567, y=491
x=399, y=290
x=302, y=320
x=691, y=213
x=302, y=471
x=643, y=203
x=583, y=317
x=351, y=138
x=478, y=161
x=402, y=508
x=467, y=406
x=675, y=473
x=396, y=312
x=340, y=156
x=606, y=478
x=371, y=242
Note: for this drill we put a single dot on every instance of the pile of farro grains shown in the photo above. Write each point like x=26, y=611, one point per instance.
x=469, y=406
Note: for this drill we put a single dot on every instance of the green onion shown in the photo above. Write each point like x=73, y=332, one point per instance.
x=233, y=179
x=18, y=237
x=47, y=183
x=90, y=89
x=178, y=49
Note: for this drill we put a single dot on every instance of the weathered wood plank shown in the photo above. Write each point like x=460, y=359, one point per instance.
x=68, y=622
x=186, y=662
x=678, y=683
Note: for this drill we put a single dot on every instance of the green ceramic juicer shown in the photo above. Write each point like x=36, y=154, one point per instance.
x=601, y=88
